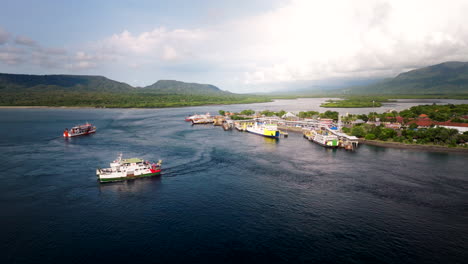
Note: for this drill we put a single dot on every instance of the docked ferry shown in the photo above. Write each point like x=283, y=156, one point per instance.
x=127, y=169
x=207, y=120
x=196, y=116
x=266, y=130
x=322, y=137
x=80, y=130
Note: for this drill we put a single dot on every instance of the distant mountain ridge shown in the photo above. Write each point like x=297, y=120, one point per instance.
x=13, y=83
x=444, y=78
x=177, y=87
x=26, y=82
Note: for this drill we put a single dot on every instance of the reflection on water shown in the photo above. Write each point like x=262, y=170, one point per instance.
x=271, y=140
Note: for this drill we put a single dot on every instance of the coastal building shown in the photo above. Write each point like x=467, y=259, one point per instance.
x=326, y=121
x=461, y=127
x=392, y=125
x=358, y=121
x=290, y=116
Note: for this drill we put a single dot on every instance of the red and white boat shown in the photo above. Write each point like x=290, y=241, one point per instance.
x=80, y=130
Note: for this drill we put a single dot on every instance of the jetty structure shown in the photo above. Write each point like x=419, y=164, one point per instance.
x=333, y=132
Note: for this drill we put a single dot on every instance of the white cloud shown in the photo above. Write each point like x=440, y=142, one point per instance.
x=23, y=40
x=160, y=43
x=311, y=40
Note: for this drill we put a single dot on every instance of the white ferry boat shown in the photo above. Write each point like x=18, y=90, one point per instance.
x=196, y=116
x=207, y=120
x=127, y=169
x=79, y=130
x=322, y=137
x=266, y=130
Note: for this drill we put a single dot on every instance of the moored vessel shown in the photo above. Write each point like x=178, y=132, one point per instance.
x=266, y=130
x=196, y=116
x=127, y=169
x=80, y=130
x=322, y=137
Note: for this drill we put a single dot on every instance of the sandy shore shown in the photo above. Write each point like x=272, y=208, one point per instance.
x=414, y=147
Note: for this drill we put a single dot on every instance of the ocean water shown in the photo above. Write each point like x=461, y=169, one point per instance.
x=223, y=197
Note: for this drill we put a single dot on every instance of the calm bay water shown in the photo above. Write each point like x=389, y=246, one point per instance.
x=223, y=196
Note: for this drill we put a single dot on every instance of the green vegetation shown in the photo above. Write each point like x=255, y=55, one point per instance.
x=247, y=112
x=439, y=113
x=308, y=114
x=329, y=114
x=121, y=100
x=177, y=87
x=356, y=102
x=236, y=117
x=412, y=135
x=433, y=136
x=98, y=91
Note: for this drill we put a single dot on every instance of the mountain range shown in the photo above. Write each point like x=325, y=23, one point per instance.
x=85, y=83
x=440, y=79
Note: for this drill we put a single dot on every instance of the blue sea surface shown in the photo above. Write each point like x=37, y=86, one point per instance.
x=223, y=197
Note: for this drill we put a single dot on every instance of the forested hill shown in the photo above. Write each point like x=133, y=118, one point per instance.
x=177, y=87
x=98, y=91
x=444, y=79
x=33, y=83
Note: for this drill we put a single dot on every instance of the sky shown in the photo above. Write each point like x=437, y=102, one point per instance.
x=238, y=45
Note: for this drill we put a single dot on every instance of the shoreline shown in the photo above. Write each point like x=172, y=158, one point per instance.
x=384, y=144
x=413, y=146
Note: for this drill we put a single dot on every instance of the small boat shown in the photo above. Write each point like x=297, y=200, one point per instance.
x=193, y=117
x=322, y=137
x=266, y=130
x=80, y=130
x=127, y=169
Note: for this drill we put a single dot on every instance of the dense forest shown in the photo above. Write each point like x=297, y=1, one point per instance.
x=124, y=100
x=98, y=91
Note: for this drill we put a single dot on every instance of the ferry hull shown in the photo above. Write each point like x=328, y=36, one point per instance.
x=156, y=173
x=324, y=145
x=268, y=134
x=332, y=145
x=69, y=135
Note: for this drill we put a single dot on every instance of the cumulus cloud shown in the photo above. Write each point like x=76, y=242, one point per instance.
x=309, y=40
x=23, y=40
x=160, y=43
x=312, y=40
